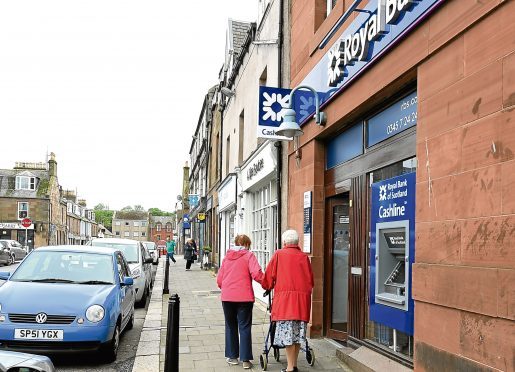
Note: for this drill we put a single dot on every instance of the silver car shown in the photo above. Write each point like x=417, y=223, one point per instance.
x=154, y=252
x=18, y=252
x=139, y=261
x=14, y=361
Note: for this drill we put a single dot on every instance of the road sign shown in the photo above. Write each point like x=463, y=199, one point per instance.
x=26, y=222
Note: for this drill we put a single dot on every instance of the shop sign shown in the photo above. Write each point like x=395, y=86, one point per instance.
x=201, y=217
x=227, y=193
x=395, y=119
x=254, y=169
x=374, y=31
x=185, y=222
x=15, y=226
x=392, y=252
x=193, y=200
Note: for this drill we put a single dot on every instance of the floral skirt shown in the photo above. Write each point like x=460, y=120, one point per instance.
x=289, y=332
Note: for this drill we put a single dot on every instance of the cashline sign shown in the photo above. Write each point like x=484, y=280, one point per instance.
x=392, y=252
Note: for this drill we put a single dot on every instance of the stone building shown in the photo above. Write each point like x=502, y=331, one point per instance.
x=404, y=195
x=31, y=190
x=131, y=225
x=161, y=228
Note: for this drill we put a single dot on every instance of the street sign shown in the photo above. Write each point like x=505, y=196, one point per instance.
x=26, y=222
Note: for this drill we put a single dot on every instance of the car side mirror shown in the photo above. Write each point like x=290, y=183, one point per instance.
x=149, y=260
x=4, y=275
x=127, y=281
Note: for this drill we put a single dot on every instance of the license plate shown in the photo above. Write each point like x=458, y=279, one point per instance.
x=39, y=334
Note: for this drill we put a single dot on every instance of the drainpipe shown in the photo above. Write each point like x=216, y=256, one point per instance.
x=278, y=144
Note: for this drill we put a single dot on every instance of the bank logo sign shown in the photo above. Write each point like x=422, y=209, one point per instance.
x=273, y=103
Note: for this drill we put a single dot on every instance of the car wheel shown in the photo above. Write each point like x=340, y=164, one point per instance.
x=13, y=260
x=111, y=350
x=143, y=301
x=130, y=324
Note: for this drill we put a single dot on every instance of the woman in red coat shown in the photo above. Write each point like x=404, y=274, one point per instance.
x=289, y=274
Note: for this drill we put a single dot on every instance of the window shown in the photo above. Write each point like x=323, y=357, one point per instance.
x=135, y=234
x=23, y=210
x=25, y=183
x=126, y=234
x=117, y=223
x=117, y=233
x=264, y=216
x=143, y=224
x=143, y=233
x=158, y=237
x=168, y=227
x=136, y=223
x=158, y=227
x=330, y=6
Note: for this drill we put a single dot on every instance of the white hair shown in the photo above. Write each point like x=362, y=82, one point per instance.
x=290, y=237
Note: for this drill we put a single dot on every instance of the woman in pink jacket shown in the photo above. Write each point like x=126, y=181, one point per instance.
x=234, y=278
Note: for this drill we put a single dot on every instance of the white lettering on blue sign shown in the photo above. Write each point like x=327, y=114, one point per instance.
x=354, y=47
x=392, y=210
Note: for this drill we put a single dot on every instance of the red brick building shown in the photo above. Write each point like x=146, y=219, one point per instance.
x=419, y=103
x=161, y=227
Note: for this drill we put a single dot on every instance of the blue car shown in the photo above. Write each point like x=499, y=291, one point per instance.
x=66, y=299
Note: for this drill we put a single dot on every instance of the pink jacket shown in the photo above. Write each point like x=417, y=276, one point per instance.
x=235, y=276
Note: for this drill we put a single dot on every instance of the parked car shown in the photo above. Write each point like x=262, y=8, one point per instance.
x=152, y=249
x=6, y=257
x=17, y=250
x=65, y=299
x=11, y=361
x=139, y=262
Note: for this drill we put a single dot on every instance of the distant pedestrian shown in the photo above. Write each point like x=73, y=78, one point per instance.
x=234, y=278
x=289, y=272
x=189, y=253
x=170, y=249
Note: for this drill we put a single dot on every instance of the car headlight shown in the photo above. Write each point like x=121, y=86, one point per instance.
x=136, y=273
x=95, y=313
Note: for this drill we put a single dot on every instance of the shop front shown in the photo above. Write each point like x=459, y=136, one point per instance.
x=259, y=203
x=227, y=214
x=15, y=231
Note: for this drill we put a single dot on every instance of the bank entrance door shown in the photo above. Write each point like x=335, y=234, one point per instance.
x=337, y=277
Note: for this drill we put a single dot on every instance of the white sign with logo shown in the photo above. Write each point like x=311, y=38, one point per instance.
x=261, y=165
x=14, y=226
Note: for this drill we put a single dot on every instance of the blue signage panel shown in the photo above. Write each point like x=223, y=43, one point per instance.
x=272, y=104
x=392, y=252
x=345, y=146
x=193, y=200
x=375, y=30
x=186, y=221
x=396, y=118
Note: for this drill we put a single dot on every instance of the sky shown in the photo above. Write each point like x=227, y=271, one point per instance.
x=113, y=88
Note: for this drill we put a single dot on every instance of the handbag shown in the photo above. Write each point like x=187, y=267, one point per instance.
x=193, y=256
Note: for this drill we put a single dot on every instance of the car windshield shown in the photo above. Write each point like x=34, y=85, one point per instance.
x=150, y=245
x=65, y=267
x=129, y=250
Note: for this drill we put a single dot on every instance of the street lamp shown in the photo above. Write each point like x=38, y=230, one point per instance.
x=289, y=127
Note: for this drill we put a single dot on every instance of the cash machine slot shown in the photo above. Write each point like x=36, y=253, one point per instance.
x=392, y=257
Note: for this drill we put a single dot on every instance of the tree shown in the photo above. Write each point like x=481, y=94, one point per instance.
x=139, y=208
x=105, y=217
x=159, y=212
x=100, y=207
x=127, y=209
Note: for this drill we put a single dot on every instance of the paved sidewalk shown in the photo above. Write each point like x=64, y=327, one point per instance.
x=202, y=328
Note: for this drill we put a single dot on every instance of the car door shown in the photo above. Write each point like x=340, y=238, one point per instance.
x=18, y=249
x=5, y=256
x=125, y=291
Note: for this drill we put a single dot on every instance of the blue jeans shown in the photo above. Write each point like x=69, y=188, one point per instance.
x=238, y=316
x=170, y=256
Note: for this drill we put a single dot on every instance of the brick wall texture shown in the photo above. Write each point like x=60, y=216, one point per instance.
x=463, y=59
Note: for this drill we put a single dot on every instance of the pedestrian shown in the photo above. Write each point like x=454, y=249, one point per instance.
x=170, y=249
x=189, y=253
x=234, y=278
x=289, y=274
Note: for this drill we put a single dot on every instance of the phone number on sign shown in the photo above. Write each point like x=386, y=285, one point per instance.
x=401, y=123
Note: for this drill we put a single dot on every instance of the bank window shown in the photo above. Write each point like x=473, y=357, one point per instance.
x=23, y=210
x=25, y=183
x=345, y=146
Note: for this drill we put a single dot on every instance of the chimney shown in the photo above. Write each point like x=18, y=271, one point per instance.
x=52, y=166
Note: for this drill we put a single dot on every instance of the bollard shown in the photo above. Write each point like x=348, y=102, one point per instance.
x=172, y=335
x=167, y=273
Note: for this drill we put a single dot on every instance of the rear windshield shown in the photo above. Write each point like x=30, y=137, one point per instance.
x=150, y=245
x=129, y=250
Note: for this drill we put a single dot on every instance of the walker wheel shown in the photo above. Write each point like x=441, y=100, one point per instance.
x=263, y=361
x=310, y=356
x=277, y=354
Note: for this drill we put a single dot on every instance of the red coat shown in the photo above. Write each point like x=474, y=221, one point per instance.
x=289, y=273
